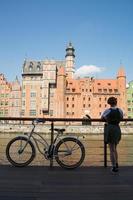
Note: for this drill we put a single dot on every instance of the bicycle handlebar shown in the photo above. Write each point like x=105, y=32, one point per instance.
x=38, y=120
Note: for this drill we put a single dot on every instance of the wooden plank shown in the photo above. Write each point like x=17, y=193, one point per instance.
x=39, y=183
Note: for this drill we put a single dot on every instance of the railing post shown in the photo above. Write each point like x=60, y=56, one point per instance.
x=105, y=154
x=105, y=149
x=52, y=139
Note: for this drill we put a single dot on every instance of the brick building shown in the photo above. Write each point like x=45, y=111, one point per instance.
x=49, y=89
x=130, y=99
x=10, y=98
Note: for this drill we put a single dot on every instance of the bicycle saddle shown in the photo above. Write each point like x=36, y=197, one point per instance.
x=59, y=129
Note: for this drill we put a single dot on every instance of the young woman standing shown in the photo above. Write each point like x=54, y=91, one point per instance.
x=112, y=131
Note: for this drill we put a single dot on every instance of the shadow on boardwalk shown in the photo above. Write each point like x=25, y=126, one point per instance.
x=84, y=183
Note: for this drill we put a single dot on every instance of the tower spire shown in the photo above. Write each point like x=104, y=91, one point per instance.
x=70, y=55
x=121, y=72
x=70, y=50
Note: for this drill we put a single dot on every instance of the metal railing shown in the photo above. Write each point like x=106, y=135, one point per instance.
x=54, y=120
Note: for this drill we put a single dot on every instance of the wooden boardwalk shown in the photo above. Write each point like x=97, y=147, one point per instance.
x=84, y=183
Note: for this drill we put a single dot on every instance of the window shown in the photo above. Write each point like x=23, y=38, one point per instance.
x=115, y=90
x=89, y=99
x=104, y=90
x=33, y=104
x=6, y=103
x=23, y=112
x=33, y=94
x=52, y=85
x=2, y=95
x=72, y=105
x=109, y=83
x=67, y=105
x=38, y=68
x=1, y=103
x=31, y=66
x=1, y=112
x=99, y=105
x=73, y=90
x=89, y=105
x=72, y=113
x=6, y=112
x=98, y=83
x=23, y=94
x=100, y=99
x=73, y=99
x=67, y=98
x=51, y=112
x=51, y=94
x=83, y=105
x=110, y=90
x=32, y=112
x=100, y=90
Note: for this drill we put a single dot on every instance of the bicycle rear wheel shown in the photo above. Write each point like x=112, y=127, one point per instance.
x=69, y=153
x=20, y=152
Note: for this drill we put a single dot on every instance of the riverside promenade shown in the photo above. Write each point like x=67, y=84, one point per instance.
x=84, y=183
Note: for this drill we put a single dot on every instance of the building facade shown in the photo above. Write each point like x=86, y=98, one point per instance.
x=130, y=99
x=10, y=98
x=5, y=89
x=49, y=89
x=15, y=99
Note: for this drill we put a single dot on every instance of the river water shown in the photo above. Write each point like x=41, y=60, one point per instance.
x=93, y=147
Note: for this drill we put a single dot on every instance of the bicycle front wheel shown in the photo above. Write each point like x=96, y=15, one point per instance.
x=20, y=152
x=69, y=153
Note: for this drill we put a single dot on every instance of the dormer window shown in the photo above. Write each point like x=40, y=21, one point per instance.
x=31, y=66
x=38, y=67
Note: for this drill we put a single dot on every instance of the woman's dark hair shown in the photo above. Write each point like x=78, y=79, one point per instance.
x=112, y=101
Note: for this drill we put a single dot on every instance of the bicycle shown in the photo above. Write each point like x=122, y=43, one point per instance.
x=68, y=151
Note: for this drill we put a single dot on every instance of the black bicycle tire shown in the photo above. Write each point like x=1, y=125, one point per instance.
x=82, y=153
x=8, y=152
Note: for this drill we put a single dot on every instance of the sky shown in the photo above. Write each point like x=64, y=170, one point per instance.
x=101, y=32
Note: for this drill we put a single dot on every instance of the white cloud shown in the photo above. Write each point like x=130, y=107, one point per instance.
x=87, y=70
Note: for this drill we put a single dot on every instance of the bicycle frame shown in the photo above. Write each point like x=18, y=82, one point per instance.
x=32, y=135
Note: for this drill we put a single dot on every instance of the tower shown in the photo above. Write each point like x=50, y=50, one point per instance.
x=59, y=101
x=70, y=60
x=121, y=84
